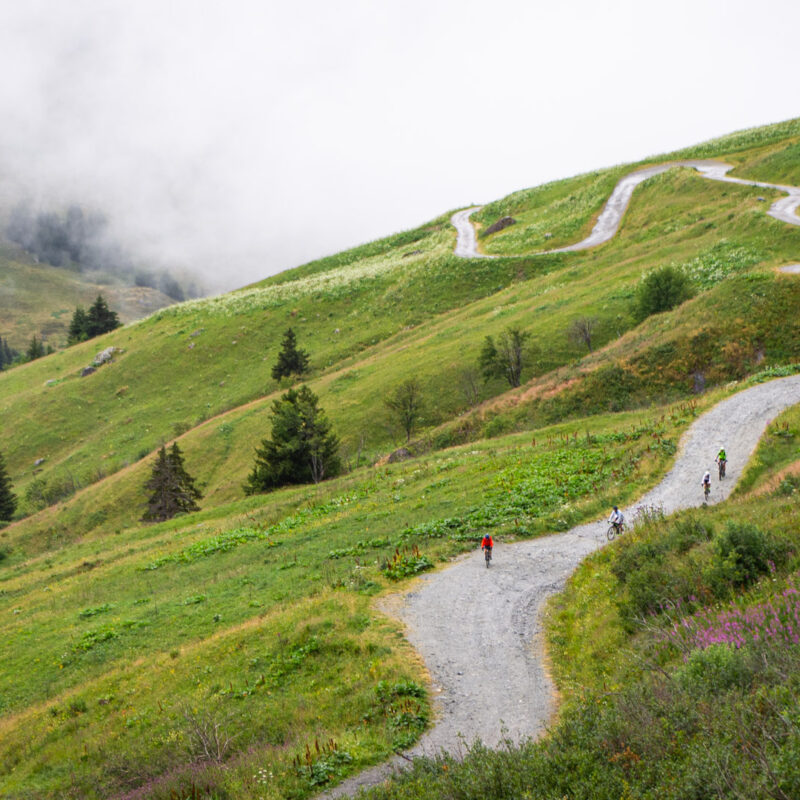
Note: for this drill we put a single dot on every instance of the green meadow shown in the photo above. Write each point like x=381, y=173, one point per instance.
x=241, y=651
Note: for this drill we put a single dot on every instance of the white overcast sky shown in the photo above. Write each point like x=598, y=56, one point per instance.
x=241, y=138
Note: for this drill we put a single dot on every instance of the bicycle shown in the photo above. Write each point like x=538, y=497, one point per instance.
x=487, y=554
x=722, y=469
x=706, y=492
x=615, y=529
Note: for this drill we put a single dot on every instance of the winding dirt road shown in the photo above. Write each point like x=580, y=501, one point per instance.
x=610, y=217
x=479, y=631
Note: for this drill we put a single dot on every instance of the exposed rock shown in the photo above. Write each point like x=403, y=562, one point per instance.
x=548, y=236
x=104, y=356
x=699, y=383
x=412, y=253
x=503, y=222
x=403, y=454
x=196, y=333
x=38, y=461
x=87, y=371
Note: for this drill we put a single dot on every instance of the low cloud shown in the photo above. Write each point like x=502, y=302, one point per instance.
x=238, y=139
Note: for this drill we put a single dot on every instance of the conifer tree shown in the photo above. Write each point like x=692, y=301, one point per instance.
x=173, y=489
x=291, y=360
x=78, y=327
x=302, y=448
x=7, y=354
x=35, y=349
x=8, y=501
x=100, y=319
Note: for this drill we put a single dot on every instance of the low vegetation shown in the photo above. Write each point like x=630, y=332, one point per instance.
x=235, y=651
x=677, y=654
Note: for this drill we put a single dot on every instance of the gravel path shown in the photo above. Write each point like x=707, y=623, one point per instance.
x=466, y=241
x=479, y=630
x=611, y=216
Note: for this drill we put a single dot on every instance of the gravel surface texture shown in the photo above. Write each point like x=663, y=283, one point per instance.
x=479, y=630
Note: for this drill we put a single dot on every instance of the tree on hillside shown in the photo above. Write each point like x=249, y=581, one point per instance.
x=291, y=360
x=172, y=488
x=78, y=327
x=405, y=404
x=35, y=349
x=7, y=354
x=581, y=331
x=302, y=449
x=100, y=318
x=661, y=290
x=97, y=320
x=8, y=501
x=505, y=358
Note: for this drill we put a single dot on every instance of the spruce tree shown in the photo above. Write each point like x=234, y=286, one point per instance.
x=7, y=354
x=291, y=360
x=100, y=319
x=78, y=327
x=35, y=349
x=8, y=501
x=173, y=489
x=302, y=448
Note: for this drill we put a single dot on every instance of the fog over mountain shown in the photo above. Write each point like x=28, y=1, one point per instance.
x=238, y=139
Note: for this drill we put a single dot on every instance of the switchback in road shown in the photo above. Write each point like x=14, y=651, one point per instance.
x=611, y=216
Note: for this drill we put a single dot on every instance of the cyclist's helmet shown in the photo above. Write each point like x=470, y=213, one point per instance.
x=615, y=508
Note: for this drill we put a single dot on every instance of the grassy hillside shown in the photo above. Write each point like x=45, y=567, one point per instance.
x=37, y=299
x=676, y=652
x=236, y=652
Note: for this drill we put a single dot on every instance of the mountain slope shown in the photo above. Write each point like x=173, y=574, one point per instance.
x=39, y=300
x=128, y=643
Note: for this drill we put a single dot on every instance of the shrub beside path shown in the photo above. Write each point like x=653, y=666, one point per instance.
x=611, y=216
x=479, y=631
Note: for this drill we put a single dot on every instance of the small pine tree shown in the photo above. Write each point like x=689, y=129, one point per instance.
x=173, y=489
x=78, y=327
x=291, y=360
x=7, y=354
x=35, y=349
x=8, y=501
x=100, y=319
x=302, y=448
x=4, y=359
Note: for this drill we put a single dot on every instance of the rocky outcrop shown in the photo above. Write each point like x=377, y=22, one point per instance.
x=503, y=222
x=103, y=357
x=403, y=454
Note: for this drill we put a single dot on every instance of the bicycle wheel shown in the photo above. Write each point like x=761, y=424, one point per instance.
x=611, y=533
x=488, y=555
